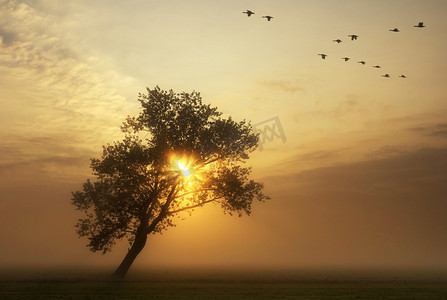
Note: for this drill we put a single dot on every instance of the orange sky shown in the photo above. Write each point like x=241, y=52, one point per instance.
x=360, y=180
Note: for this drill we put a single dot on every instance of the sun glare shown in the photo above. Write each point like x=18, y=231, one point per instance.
x=192, y=172
x=183, y=168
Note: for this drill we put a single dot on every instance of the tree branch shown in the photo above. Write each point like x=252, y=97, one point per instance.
x=201, y=164
x=193, y=206
x=153, y=201
x=164, y=209
x=192, y=192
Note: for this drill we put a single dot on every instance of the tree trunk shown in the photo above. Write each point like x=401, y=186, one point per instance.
x=137, y=246
x=141, y=236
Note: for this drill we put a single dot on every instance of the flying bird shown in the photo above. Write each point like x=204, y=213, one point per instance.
x=420, y=25
x=345, y=58
x=248, y=12
x=395, y=30
x=377, y=67
x=353, y=36
x=268, y=17
x=338, y=41
x=323, y=56
x=386, y=75
x=362, y=62
x=403, y=76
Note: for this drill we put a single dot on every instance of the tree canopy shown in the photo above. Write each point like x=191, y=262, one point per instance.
x=177, y=154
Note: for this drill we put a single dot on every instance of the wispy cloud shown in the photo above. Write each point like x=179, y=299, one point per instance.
x=54, y=103
x=387, y=211
x=434, y=130
x=350, y=104
x=386, y=152
x=316, y=155
x=283, y=85
x=53, y=169
x=387, y=166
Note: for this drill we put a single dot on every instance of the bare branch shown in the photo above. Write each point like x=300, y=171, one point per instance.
x=164, y=209
x=207, y=162
x=193, y=192
x=193, y=206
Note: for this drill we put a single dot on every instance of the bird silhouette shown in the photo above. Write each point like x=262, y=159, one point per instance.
x=362, y=62
x=268, y=17
x=377, y=67
x=403, y=76
x=323, y=56
x=386, y=75
x=395, y=30
x=248, y=12
x=420, y=25
x=353, y=36
x=338, y=41
x=345, y=58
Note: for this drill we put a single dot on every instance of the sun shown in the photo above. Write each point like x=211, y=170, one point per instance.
x=191, y=171
x=183, y=168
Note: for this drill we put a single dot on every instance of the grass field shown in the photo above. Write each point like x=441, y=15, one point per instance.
x=147, y=290
x=227, y=286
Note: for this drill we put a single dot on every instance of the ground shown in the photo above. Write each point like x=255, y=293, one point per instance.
x=227, y=285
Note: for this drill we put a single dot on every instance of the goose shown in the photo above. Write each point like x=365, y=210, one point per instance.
x=248, y=12
x=420, y=25
x=386, y=75
x=338, y=41
x=362, y=62
x=345, y=58
x=377, y=67
x=268, y=17
x=353, y=36
x=323, y=56
x=395, y=30
x=403, y=76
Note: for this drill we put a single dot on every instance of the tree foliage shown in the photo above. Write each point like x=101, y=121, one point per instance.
x=177, y=154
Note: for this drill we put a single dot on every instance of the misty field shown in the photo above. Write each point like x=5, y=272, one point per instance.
x=147, y=290
x=226, y=286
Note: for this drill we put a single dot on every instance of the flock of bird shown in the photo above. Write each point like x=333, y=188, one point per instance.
x=249, y=13
x=338, y=41
x=354, y=37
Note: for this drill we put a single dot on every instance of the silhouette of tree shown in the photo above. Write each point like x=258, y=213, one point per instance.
x=189, y=157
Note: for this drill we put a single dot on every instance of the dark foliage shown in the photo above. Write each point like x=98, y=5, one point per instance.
x=178, y=154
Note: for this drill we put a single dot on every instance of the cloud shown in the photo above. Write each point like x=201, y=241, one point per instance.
x=54, y=169
x=350, y=104
x=388, y=211
x=283, y=85
x=40, y=53
x=54, y=100
x=403, y=167
x=349, y=109
x=313, y=156
x=434, y=130
x=6, y=37
x=37, y=164
x=412, y=119
x=386, y=152
x=440, y=130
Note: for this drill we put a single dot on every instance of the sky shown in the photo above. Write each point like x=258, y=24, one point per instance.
x=358, y=181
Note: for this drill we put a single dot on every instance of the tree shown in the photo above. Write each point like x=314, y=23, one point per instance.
x=177, y=155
